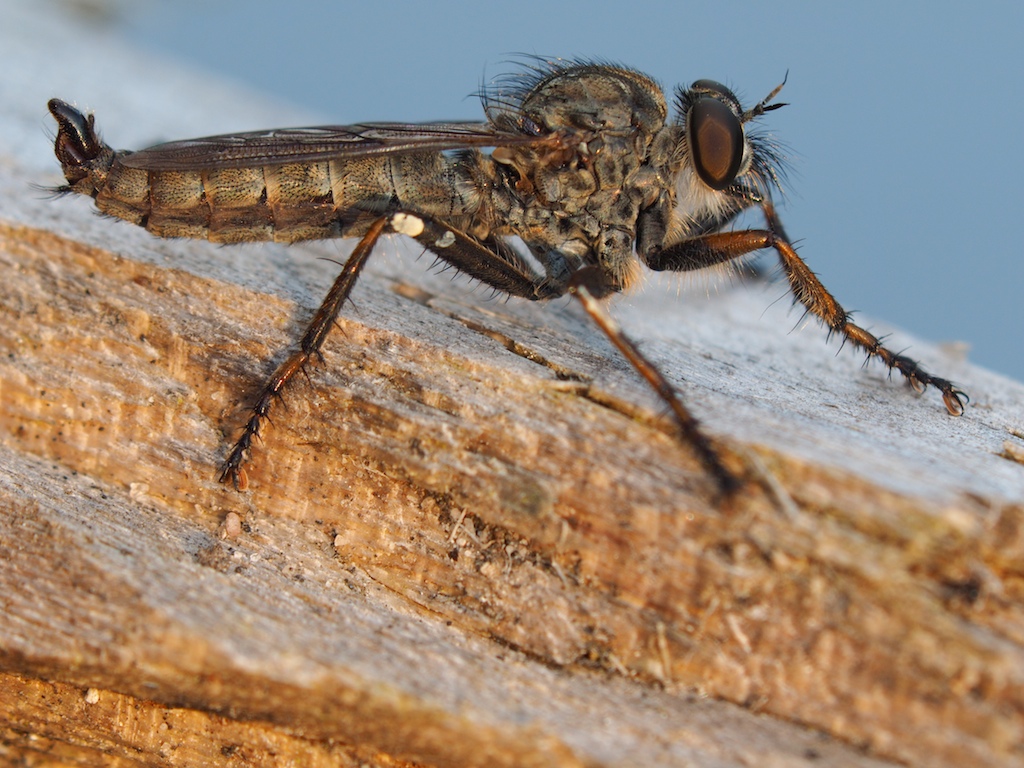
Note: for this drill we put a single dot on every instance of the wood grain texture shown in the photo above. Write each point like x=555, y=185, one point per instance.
x=469, y=538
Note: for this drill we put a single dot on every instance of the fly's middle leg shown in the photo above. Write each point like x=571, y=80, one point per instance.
x=588, y=286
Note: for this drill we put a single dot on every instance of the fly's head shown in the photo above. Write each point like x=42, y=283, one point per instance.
x=719, y=164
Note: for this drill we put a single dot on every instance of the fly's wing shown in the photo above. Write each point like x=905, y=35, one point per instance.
x=320, y=144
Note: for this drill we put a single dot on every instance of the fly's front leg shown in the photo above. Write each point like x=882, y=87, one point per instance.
x=589, y=285
x=309, y=346
x=716, y=248
x=813, y=295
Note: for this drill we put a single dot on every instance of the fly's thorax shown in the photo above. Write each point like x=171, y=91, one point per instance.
x=609, y=116
x=583, y=197
x=596, y=98
x=582, y=209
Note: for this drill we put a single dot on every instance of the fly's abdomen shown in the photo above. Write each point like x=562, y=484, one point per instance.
x=291, y=202
x=286, y=202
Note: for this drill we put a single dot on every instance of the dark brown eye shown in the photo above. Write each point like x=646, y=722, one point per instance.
x=716, y=142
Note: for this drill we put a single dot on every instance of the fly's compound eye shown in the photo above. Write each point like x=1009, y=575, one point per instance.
x=715, y=137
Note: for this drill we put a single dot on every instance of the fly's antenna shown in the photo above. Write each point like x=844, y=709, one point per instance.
x=765, y=104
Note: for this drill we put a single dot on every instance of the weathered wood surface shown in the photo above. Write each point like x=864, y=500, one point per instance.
x=468, y=541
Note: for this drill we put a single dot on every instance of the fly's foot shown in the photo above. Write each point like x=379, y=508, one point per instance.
x=954, y=398
x=233, y=468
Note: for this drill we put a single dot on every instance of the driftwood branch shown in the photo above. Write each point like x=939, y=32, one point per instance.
x=470, y=539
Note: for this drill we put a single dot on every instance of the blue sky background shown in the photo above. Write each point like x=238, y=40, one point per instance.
x=903, y=127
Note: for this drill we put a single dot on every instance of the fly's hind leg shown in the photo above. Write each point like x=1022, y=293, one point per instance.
x=497, y=266
x=312, y=340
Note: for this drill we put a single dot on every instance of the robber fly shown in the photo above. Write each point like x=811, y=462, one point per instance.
x=586, y=167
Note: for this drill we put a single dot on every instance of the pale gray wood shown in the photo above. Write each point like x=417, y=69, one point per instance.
x=452, y=554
